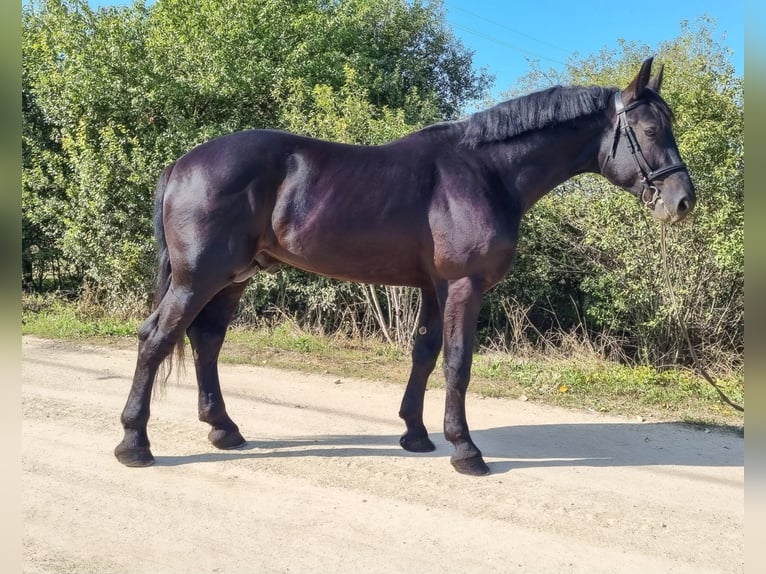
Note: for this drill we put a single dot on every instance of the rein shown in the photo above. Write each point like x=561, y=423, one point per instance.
x=648, y=175
x=682, y=325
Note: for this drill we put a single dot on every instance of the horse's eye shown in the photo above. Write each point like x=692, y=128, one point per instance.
x=650, y=132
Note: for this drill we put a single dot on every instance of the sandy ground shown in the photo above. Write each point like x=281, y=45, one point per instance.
x=322, y=485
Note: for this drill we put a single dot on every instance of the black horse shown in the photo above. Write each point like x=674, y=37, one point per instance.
x=438, y=209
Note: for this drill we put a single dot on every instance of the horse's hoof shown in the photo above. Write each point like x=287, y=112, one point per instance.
x=134, y=457
x=474, y=466
x=416, y=444
x=226, y=439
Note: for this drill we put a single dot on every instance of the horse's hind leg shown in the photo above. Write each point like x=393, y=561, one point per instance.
x=425, y=351
x=156, y=338
x=206, y=334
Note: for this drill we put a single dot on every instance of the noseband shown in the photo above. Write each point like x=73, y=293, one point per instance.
x=647, y=174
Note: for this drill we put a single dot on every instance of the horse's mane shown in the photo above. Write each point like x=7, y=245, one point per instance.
x=534, y=111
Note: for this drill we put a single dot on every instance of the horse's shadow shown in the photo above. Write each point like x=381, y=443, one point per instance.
x=523, y=446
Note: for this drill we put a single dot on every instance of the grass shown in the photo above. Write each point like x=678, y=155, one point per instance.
x=591, y=383
x=56, y=319
x=579, y=380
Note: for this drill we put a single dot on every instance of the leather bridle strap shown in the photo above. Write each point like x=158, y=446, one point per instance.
x=647, y=174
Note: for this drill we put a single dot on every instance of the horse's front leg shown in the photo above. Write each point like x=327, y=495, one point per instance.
x=206, y=335
x=461, y=314
x=425, y=351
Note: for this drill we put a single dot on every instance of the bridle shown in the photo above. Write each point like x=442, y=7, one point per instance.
x=647, y=174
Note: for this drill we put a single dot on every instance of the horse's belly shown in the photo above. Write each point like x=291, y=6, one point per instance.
x=373, y=257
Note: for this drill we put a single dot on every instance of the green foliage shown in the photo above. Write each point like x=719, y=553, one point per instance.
x=345, y=115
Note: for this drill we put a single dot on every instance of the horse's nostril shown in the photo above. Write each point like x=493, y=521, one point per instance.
x=683, y=207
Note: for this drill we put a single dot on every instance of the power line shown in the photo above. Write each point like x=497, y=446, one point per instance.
x=506, y=44
x=499, y=25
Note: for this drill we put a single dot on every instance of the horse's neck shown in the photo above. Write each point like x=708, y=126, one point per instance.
x=535, y=163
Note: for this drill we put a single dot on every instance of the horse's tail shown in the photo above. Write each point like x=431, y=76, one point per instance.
x=163, y=268
x=163, y=258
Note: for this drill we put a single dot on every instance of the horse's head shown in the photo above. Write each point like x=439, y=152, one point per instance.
x=641, y=155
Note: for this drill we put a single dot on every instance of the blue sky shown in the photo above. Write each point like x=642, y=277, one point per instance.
x=506, y=34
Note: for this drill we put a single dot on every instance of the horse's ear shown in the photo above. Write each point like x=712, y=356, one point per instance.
x=639, y=83
x=656, y=82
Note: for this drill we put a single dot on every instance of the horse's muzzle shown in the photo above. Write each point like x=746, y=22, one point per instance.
x=672, y=209
x=674, y=200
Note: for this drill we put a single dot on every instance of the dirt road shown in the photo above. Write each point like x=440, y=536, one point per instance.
x=322, y=485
